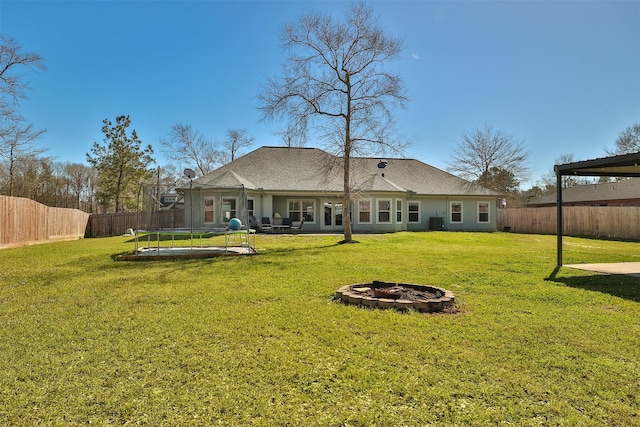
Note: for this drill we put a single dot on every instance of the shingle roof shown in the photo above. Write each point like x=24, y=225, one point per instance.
x=312, y=169
x=230, y=179
x=607, y=191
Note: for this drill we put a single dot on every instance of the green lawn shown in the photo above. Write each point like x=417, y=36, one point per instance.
x=260, y=341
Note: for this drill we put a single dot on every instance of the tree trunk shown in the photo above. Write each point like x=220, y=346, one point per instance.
x=346, y=203
x=118, y=190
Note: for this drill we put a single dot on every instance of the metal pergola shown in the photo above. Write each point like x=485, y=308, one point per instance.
x=625, y=165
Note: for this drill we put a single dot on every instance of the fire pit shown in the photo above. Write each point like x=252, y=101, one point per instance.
x=399, y=296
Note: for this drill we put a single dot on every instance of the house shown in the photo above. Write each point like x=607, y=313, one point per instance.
x=170, y=201
x=307, y=183
x=621, y=193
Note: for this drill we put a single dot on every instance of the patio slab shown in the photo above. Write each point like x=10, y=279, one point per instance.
x=628, y=268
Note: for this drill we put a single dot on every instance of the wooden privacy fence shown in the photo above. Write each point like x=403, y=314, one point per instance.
x=107, y=225
x=25, y=222
x=616, y=222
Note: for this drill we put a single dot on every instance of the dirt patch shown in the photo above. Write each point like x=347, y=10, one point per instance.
x=403, y=292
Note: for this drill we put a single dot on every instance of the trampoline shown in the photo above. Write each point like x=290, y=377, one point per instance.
x=236, y=242
x=166, y=242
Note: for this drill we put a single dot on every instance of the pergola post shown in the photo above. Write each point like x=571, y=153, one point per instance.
x=559, y=223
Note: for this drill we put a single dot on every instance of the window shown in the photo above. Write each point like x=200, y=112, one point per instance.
x=228, y=209
x=308, y=207
x=384, y=211
x=208, y=209
x=414, y=211
x=398, y=211
x=456, y=211
x=250, y=208
x=299, y=209
x=294, y=211
x=364, y=211
x=483, y=212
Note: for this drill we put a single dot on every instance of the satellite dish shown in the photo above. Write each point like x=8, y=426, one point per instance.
x=189, y=173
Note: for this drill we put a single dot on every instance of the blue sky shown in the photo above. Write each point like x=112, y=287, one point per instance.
x=561, y=76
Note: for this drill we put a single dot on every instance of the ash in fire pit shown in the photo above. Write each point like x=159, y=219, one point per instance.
x=400, y=296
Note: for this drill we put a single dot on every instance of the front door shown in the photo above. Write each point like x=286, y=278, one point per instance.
x=332, y=220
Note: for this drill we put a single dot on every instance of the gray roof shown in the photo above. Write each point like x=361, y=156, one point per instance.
x=626, y=189
x=279, y=169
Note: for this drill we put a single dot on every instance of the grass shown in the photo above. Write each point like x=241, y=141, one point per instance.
x=259, y=340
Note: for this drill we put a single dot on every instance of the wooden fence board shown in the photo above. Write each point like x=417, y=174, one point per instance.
x=106, y=225
x=616, y=222
x=24, y=222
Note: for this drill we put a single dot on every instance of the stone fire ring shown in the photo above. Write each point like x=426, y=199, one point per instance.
x=423, y=298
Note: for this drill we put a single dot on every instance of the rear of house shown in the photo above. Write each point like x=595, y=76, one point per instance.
x=306, y=184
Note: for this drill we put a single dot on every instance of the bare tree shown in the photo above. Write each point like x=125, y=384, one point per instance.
x=293, y=136
x=78, y=180
x=334, y=83
x=17, y=144
x=189, y=147
x=172, y=177
x=482, y=153
x=237, y=139
x=627, y=142
x=16, y=138
x=34, y=178
x=549, y=179
x=12, y=85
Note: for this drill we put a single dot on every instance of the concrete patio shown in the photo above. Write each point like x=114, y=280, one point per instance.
x=627, y=268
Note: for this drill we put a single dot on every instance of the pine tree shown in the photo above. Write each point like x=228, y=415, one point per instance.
x=121, y=163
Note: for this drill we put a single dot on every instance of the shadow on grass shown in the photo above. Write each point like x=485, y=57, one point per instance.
x=287, y=251
x=290, y=250
x=282, y=251
x=619, y=285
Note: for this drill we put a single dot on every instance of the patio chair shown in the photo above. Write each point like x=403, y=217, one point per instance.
x=298, y=229
x=265, y=224
x=253, y=223
x=282, y=226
